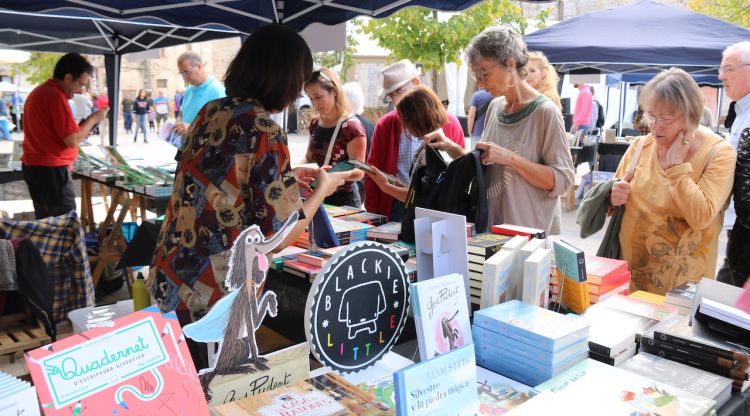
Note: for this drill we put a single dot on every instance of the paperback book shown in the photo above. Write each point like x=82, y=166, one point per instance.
x=496, y=279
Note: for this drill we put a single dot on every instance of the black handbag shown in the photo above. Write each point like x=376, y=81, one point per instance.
x=456, y=188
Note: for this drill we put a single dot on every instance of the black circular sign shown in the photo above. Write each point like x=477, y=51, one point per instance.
x=357, y=307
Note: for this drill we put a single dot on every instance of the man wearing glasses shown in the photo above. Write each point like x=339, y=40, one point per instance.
x=52, y=136
x=392, y=149
x=734, y=72
x=202, y=88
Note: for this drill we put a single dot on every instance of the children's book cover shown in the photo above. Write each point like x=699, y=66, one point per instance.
x=141, y=365
x=441, y=315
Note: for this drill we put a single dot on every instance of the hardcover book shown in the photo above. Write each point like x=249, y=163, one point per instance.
x=328, y=394
x=600, y=269
x=620, y=392
x=446, y=385
x=141, y=365
x=441, y=315
x=511, y=229
x=533, y=325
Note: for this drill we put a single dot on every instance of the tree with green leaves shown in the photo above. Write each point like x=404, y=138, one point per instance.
x=415, y=34
x=733, y=11
x=40, y=67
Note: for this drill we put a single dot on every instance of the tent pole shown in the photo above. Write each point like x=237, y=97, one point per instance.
x=112, y=67
x=606, y=109
x=621, y=113
x=720, y=101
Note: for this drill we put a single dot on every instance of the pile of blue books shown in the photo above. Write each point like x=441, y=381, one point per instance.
x=527, y=343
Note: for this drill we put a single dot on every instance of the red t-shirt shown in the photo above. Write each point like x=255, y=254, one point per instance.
x=47, y=121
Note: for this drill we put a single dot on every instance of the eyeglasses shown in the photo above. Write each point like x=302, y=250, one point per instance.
x=480, y=74
x=393, y=95
x=729, y=68
x=664, y=121
x=187, y=71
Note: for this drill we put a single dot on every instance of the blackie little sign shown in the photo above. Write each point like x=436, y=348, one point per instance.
x=357, y=307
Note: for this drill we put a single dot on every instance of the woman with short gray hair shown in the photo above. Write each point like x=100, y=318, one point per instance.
x=675, y=199
x=524, y=143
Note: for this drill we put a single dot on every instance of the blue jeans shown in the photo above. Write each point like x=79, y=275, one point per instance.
x=140, y=121
x=128, y=120
x=4, y=125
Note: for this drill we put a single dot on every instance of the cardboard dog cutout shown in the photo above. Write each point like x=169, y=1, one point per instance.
x=233, y=320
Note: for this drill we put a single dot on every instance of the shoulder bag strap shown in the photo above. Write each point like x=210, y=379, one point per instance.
x=339, y=123
x=636, y=156
x=710, y=156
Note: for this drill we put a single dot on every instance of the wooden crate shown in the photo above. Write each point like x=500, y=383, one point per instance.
x=19, y=334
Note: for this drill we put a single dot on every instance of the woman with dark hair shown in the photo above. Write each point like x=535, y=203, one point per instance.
x=333, y=117
x=235, y=172
x=421, y=113
x=140, y=108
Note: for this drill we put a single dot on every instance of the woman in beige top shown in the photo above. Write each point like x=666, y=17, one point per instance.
x=524, y=142
x=541, y=75
x=674, y=201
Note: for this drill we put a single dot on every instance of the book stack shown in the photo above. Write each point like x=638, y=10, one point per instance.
x=441, y=316
x=604, y=278
x=480, y=248
x=349, y=232
x=385, y=233
x=404, y=250
x=366, y=218
x=593, y=388
x=293, y=265
x=682, y=297
x=527, y=343
x=675, y=340
x=690, y=379
x=511, y=230
x=617, y=325
x=17, y=397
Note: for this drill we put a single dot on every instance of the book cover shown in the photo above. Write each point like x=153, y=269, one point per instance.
x=328, y=394
x=17, y=397
x=367, y=218
x=516, y=271
x=618, y=359
x=693, y=380
x=538, y=327
x=527, y=371
x=704, y=361
x=440, y=315
x=496, y=279
x=446, y=385
x=575, y=295
x=620, y=392
x=524, y=253
x=570, y=261
x=511, y=229
x=613, y=330
x=600, y=269
x=315, y=258
x=334, y=211
x=486, y=244
x=536, y=274
x=677, y=330
x=141, y=365
x=640, y=307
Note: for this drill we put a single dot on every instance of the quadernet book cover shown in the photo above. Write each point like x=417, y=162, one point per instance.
x=140, y=365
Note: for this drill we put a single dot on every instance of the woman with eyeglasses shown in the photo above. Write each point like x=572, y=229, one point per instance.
x=675, y=199
x=334, y=117
x=524, y=143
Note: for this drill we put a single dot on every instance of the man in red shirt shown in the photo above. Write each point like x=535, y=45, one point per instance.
x=51, y=137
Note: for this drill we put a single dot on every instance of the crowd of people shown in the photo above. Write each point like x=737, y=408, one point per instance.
x=235, y=170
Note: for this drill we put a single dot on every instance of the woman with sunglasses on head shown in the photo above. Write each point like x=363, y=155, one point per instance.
x=334, y=117
x=524, y=143
x=674, y=201
x=542, y=76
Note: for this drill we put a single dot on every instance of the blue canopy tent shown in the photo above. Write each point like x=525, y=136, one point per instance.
x=642, y=37
x=114, y=27
x=614, y=80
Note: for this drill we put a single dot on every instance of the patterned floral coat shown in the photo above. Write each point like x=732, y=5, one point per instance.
x=234, y=172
